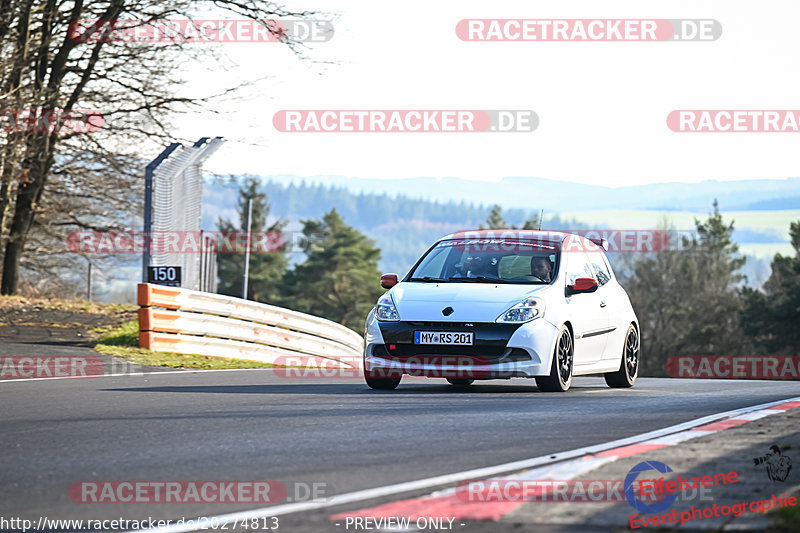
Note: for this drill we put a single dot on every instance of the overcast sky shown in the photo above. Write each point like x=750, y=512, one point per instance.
x=602, y=105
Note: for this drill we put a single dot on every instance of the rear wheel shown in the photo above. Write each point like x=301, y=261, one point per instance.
x=629, y=364
x=560, y=377
x=460, y=382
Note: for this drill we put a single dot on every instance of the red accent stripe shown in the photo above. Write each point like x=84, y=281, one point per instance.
x=785, y=406
x=633, y=449
x=448, y=506
x=721, y=424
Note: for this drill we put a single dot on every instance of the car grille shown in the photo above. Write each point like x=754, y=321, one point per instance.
x=479, y=354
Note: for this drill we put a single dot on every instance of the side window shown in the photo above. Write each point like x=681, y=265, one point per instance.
x=588, y=271
x=600, y=268
x=578, y=266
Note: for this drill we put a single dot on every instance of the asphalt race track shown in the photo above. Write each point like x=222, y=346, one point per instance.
x=256, y=425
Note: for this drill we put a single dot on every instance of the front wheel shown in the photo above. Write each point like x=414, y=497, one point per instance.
x=628, y=371
x=382, y=383
x=459, y=382
x=381, y=379
x=560, y=377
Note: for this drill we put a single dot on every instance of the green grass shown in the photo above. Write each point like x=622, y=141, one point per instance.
x=788, y=518
x=125, y=335
x=123, y=342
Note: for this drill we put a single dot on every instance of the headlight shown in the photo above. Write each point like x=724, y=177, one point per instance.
x=385, y=309
x=524, y=311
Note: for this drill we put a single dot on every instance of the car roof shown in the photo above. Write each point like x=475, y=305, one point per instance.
x=518, y=234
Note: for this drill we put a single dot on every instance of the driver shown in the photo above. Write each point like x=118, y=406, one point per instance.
x=541, y=267
x=477, y=266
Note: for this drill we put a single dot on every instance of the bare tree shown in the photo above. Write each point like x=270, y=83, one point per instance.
x=53, y=181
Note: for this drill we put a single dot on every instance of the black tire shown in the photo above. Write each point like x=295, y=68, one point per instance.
x=628, y=371
x=380, y=380
x=382, y=383
x=560, y=377
x=460, y=382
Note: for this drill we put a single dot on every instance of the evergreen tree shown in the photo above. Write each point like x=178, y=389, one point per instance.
x=339, y=280
x=533, y=223
x=686, y=297
x=771, y=317
x=267, y=264
x=714, y=328
x=495, y=219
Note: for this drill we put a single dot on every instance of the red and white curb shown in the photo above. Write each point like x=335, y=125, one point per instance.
x=453, y=503
x=562, y=465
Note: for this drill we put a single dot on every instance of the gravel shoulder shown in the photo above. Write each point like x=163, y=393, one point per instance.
x=729, y=450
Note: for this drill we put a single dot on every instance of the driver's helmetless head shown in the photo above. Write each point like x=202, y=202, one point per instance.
x=541, y=267
x=477, y=265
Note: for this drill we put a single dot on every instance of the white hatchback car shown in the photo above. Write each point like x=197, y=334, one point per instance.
x=497, y=304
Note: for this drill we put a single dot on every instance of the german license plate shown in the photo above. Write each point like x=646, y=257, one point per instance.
x=452, y=338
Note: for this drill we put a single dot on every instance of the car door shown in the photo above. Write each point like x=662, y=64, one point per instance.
x=586, y=311
x=611, y=301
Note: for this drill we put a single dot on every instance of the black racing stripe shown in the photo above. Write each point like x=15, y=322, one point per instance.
x=598, y=332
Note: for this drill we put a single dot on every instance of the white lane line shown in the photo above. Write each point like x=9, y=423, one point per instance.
x=609, y=390
x=427, y=483
x=671, y=440
x=754, y=416
x=137, y=374
x=560, y=471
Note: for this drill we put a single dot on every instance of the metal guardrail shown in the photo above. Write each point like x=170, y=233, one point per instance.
x=187, y=321
x=173, y=202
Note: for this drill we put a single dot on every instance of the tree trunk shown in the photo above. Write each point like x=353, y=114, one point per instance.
x=28, y=195
x=6, y=177
x=23, y=216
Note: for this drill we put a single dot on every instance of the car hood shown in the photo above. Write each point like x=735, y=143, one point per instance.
x=471, y=302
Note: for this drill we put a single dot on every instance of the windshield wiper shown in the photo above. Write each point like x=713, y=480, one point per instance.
x=481, y=278
x=430, y=279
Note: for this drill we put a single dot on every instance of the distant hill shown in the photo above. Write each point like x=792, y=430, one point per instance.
x=405, y=216
x=557, y=196
x=775, y=204
x=403, y=225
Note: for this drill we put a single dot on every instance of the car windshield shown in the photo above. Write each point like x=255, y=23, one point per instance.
x=488, y=261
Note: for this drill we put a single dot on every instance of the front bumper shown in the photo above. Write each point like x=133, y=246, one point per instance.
x=499, y=351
